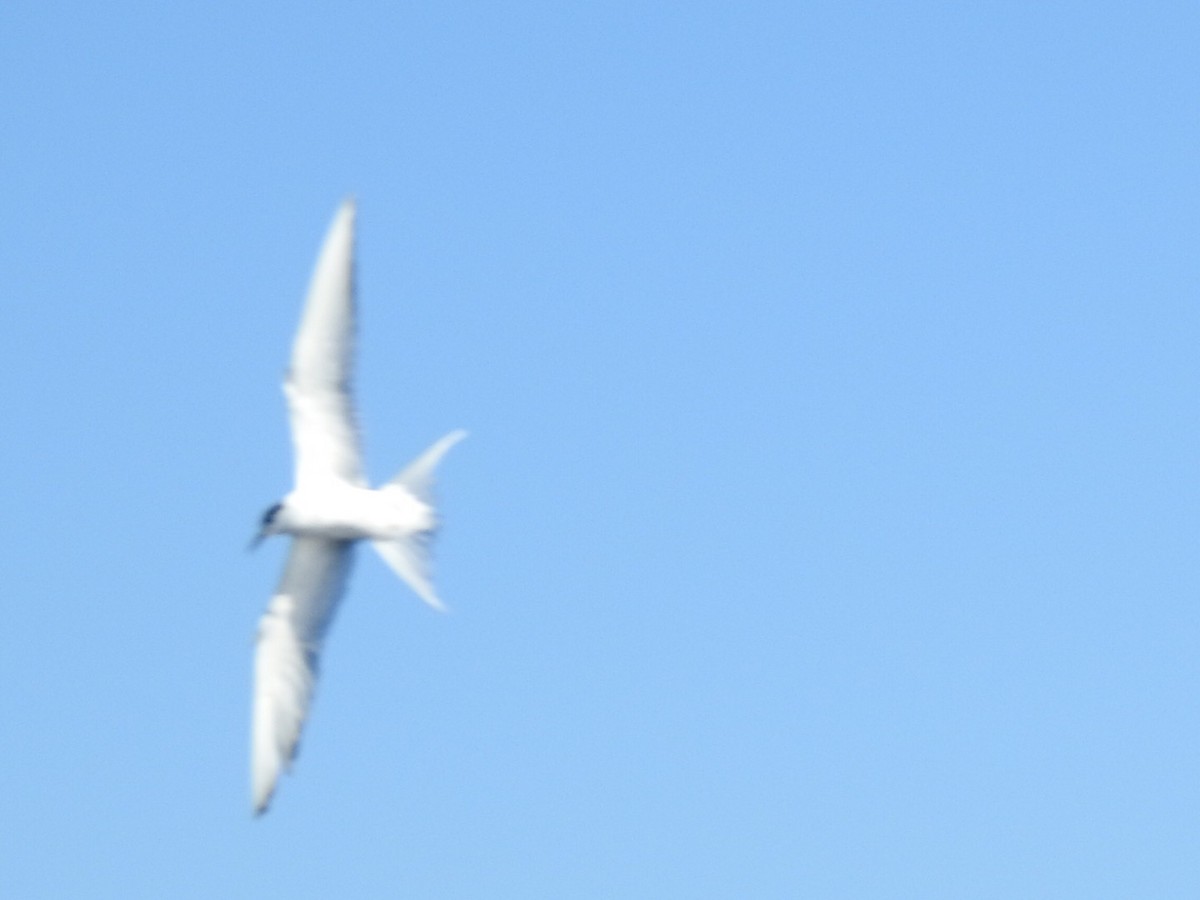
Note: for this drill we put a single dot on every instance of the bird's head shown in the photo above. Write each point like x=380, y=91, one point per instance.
x=268, y=526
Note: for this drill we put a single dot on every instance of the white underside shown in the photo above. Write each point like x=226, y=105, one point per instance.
x=345, y=512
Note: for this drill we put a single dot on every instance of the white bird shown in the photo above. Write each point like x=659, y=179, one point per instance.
x=328, y=511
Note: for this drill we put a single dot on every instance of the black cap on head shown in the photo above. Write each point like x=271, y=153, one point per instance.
x=269, y=515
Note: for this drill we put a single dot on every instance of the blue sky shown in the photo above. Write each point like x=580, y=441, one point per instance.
x=828, y=525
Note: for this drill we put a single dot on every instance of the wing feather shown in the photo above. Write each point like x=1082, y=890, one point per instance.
x=290, y=636
x=319, y=379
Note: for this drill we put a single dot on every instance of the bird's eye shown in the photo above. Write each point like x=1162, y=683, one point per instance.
x=269, y=515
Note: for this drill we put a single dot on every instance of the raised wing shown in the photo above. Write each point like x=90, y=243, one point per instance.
x=289, y=646
x=318, y=385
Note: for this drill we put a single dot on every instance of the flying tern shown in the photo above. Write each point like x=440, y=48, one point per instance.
x=329, y=510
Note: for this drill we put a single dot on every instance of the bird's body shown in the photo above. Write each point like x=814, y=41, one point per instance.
x=347, y=512
x=328, y=511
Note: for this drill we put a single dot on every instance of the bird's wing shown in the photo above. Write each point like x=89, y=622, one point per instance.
x=289, y=646
x=318, y=385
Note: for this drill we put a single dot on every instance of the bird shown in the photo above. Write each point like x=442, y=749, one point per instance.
x=329, y=511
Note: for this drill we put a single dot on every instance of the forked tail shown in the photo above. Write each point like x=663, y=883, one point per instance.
x=409, y=556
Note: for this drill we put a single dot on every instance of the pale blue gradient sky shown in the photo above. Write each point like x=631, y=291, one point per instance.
x=829, y=521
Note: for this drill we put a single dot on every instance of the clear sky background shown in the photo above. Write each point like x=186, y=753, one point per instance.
x=830, y=518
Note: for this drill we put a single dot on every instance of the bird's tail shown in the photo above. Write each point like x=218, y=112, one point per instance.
x=409, y=556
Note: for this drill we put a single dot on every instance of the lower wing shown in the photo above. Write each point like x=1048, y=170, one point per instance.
x=290, y=635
